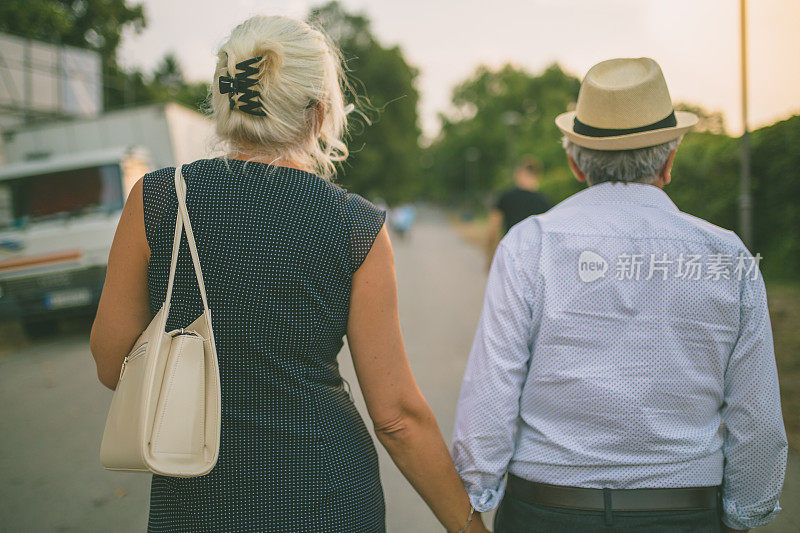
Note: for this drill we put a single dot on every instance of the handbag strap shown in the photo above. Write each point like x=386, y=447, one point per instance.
x=182, y=222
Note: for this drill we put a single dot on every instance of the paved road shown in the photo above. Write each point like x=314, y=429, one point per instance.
x=54, y=409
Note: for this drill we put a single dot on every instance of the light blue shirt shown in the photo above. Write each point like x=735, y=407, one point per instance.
x=624, y=344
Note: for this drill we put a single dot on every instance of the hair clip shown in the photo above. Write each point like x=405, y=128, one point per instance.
x=242, y=84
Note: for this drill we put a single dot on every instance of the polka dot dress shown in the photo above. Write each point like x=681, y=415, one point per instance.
x=278, y=248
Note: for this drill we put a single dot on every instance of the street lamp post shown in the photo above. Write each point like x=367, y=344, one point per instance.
x=745, y=197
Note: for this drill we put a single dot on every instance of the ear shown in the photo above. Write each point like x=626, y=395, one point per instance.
x=579, y=175
x=665, y=175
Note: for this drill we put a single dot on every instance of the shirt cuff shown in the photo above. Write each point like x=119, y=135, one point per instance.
x=735, y=519
x=487, y=500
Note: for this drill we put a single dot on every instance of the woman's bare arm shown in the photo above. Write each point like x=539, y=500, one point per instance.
x=404, y=423
x=124, y=309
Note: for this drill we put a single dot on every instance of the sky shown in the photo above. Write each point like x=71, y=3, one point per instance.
x=696, y=43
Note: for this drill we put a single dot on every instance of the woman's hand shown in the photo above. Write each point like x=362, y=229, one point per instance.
x=477, y=526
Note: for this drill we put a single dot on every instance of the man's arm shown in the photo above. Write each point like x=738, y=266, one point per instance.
x=488, y=408
x=755, y=445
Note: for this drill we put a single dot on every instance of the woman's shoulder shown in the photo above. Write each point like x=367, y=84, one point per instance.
x=158, y=184
x=357, y=206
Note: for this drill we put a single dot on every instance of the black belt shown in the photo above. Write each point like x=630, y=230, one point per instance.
x=612, y=499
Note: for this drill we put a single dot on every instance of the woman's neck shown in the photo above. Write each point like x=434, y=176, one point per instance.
x=278, y=161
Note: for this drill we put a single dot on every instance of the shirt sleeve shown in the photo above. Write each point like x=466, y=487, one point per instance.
x=364, y=221
x=488, y=407
x=158, y=198
x=754, y=444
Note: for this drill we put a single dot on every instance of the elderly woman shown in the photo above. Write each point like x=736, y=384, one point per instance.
x=292, y=263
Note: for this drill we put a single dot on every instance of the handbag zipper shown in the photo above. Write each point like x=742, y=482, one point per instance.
x=131, y=356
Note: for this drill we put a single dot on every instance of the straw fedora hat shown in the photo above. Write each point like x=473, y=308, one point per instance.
x=624, y=104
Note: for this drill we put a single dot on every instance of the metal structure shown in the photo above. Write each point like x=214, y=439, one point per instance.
x=42, y=81
x=745, y=195
x=170, y=132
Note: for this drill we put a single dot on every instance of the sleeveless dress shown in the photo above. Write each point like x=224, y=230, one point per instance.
x=278, y=248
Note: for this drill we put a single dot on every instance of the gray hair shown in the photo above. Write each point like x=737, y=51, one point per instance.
x=641, y=165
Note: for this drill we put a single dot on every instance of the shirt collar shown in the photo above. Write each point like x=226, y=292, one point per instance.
x=621, y=193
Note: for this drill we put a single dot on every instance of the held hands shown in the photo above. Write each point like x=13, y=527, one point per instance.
x=478, y=527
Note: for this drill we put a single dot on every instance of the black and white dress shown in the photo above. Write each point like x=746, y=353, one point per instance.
x=278, y=248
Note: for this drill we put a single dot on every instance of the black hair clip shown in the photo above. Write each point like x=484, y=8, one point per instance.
x=241, y=84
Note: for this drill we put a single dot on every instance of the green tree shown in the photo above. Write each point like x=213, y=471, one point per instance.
x=710, y=121
x=98, y=25
x=93, y=24
x=705, y=178
x=706, y=184
x=169, y=84
x=776, y=196
x=169, y=74
x=498, y=115
x=384, y=135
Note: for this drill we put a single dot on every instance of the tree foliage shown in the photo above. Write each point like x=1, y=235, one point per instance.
x=167, y=83
x=706, y=184
x=708, y=121
x=384, y=155
x=498, y=116
x=776, y=215
x=93, y=24
x=98, y=25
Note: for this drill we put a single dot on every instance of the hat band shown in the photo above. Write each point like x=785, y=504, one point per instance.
x=590, y=131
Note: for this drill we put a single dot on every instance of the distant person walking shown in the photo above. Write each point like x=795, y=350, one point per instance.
x=402, y=218
x=292, y=263
x=516, y=203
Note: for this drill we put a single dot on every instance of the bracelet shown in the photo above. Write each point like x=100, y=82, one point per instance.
x=469, y=520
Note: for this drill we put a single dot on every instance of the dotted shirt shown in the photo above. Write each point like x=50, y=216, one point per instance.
x=278, y=248
x=624, y=344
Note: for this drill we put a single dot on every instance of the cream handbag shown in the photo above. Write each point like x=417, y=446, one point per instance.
x=165, y=413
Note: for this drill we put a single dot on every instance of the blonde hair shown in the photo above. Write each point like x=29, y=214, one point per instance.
x=300, y=78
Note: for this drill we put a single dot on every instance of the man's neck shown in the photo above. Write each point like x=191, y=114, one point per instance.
x=531, y=186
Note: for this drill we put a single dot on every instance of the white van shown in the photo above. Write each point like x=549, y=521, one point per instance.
x=57, y=222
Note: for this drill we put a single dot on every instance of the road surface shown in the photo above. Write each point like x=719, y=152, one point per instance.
x=53, y=408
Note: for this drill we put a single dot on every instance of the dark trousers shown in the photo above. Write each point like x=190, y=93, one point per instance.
x=517, y=516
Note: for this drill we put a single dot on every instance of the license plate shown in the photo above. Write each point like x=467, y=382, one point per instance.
x=67, y=298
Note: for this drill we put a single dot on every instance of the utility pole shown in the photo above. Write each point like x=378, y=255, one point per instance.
x=745, y=198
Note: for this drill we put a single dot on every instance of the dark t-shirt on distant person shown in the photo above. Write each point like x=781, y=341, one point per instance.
x=518, y=204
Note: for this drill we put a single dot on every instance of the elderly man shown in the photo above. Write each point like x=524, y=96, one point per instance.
x=623, y=373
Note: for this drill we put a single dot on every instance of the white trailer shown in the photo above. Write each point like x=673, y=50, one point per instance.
x=62, y=190
x=170, y=132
